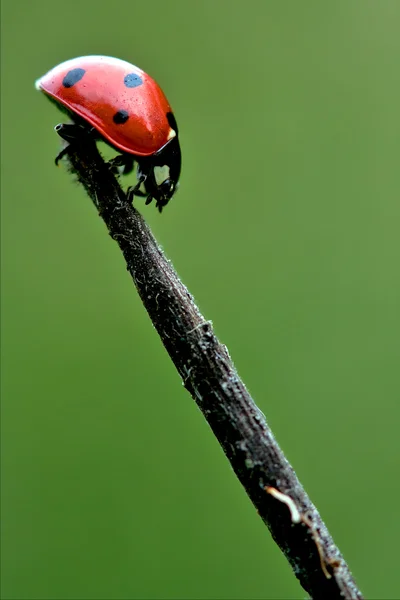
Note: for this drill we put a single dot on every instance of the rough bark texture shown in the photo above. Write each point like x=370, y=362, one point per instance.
x=210, y=377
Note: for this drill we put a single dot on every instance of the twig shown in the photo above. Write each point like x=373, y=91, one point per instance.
x=210, y=377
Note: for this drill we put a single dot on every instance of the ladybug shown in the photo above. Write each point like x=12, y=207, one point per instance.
x=119, y=103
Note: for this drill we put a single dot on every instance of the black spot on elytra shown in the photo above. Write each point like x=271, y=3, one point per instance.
x=172, y=122
x=132, y=80
x=121, y=117
x=72, y=77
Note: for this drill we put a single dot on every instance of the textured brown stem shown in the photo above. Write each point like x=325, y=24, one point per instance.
x=210, y=377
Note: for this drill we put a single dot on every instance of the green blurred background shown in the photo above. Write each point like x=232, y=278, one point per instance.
x=285, y=229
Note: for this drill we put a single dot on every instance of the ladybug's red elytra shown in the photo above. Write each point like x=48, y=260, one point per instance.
x=119, y=103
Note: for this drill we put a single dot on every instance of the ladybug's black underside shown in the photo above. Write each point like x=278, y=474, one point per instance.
x=169, y=157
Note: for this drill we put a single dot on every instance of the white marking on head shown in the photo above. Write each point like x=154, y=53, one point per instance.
x=171, y=134
x=161, y=174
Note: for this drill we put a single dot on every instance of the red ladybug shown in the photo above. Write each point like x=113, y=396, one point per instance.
x=121, y=104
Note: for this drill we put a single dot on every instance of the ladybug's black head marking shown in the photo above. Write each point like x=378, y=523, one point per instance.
x=121, y=117
x=72, y=77
x=132, y=80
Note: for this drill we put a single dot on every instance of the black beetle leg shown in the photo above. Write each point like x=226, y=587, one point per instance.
x=122, y=164
x=61, y=154
x=135, y=190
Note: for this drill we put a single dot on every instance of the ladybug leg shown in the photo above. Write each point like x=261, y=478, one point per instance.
x=142, y=176
x=151, y=186
x=138, y=192
x=130, y=194
x=135, y=191
x=61, y=154
x=71, y=133
x=122, y=164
